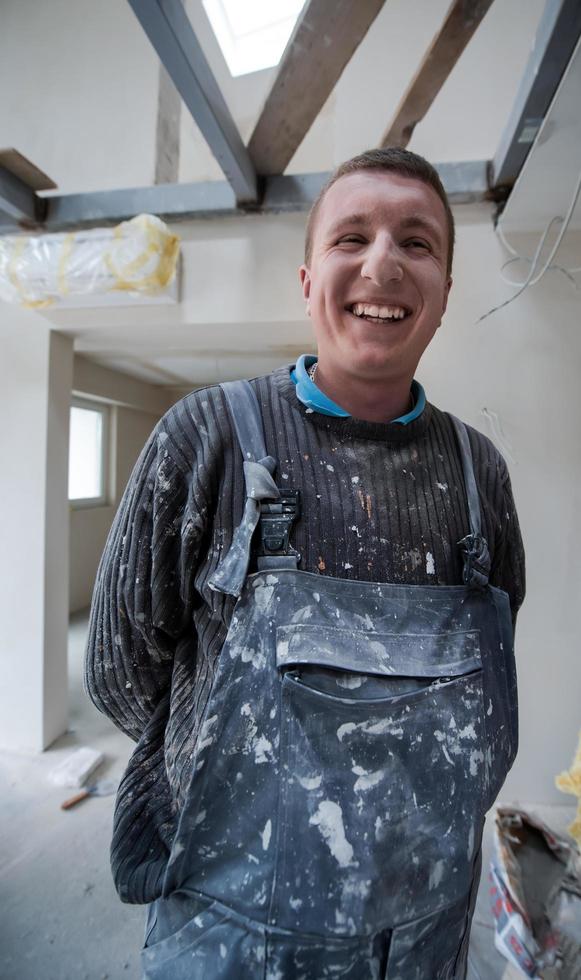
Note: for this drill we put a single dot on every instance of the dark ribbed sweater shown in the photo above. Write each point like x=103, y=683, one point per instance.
x=380, y=502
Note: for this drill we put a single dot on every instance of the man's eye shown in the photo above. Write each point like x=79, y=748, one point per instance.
x=350, y=239
x=417, y=243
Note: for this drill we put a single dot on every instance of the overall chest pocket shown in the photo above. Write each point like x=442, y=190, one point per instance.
x=383, y=746
x=374, y=666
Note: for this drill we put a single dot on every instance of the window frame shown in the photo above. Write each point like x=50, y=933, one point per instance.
x=103, y=500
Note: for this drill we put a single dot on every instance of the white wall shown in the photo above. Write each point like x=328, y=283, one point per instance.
x=524, y=363
x=130, y=428
x=35, y=384
x=83, y=83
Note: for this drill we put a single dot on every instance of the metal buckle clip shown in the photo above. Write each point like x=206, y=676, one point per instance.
x=276, y=521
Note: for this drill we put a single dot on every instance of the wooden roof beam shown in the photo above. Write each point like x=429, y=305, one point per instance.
x=460, y=23
x=323, y=42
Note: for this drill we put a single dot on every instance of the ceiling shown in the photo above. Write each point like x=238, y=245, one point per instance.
x=240, y=311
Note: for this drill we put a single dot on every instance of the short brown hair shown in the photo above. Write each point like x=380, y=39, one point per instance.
x=395, y=160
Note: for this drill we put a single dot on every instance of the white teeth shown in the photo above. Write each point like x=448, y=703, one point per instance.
x=383, y=312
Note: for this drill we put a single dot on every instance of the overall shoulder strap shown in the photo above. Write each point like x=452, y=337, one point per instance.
x=266, y=505
x=474, y=546
x=247, y=419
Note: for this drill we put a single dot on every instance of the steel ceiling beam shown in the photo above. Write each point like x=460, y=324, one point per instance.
x=322, y=44
x=169, y=29
x=464, y=182
x=17, y=200
x=556, y=38
x=460, y=23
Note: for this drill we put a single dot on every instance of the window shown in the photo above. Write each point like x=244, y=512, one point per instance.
x=88, y=450
x=253, y=34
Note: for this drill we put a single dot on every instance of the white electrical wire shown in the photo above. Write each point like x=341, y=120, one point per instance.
x=534, y=277
x=523, y=258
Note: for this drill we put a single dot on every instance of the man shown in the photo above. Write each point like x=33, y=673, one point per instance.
x=321, y=685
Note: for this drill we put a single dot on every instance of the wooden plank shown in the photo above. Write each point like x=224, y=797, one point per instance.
x=460, y=23
x=167, y=131
x=24, y=170
x=324, y=40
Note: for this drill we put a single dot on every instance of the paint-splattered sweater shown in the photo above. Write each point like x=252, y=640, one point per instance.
x=380, y=502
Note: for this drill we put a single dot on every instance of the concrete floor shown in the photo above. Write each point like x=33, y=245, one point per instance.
x=61, y=918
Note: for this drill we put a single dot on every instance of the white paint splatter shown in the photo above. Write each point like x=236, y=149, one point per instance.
x=476, y=757
x=263, y=750
x=468, y=732
x=442, y=486
x=329, y=819
x=430, y=565
x=354, y=479
x=256, y=658
x=378, y=649
x=366, y=779
x=470, y=843
x=330, y=468
x=355, y=887
x=206, y=738
x=365, y=620
x=350, y=681
x=436, y=874
x=266, y=835
x=310, y=782
x=263, y=596
x=383, y=727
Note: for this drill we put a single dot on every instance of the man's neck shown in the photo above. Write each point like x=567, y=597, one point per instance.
x=372, y=400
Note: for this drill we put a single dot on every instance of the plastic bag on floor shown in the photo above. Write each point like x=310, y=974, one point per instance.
x=536, y=897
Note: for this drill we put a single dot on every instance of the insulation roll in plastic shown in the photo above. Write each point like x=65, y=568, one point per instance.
x=103, y=266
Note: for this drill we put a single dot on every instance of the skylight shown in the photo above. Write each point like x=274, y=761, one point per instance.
x=252, y=33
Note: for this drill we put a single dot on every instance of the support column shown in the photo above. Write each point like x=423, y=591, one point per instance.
x=36, y=367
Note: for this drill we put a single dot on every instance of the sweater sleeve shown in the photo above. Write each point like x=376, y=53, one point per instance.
x=139, y=608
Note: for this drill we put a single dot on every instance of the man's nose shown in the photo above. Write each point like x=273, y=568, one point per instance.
x=382, y=263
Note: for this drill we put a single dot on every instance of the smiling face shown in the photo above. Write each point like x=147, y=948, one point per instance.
x=377, y=283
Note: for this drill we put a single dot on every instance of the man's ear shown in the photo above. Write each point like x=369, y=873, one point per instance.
x=447, y=289
x=305, y=277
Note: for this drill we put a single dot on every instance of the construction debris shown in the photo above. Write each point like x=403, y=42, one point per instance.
x=536, y=897
x=76, y=768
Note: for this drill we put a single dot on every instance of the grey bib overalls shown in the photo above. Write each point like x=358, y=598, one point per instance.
x=355, y=736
